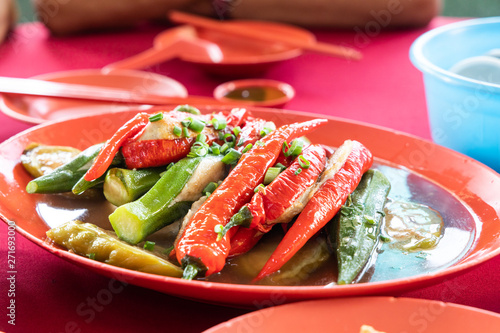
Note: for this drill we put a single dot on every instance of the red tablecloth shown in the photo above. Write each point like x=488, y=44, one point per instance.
x=384, y=89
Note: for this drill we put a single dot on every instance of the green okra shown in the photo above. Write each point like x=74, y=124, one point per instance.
x=124, y=185
x=168, y=200
x=357, y=226
x=63, y=178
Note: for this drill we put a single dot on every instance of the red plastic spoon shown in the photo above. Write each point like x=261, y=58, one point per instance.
x=167, y=45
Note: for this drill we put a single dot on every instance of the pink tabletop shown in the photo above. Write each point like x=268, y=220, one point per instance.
x=384, y=89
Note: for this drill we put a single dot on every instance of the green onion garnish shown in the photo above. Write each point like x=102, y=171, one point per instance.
x=177, y=130
x=91, y=255
x=185, y=132
x=295, y=149
x=219, y=123
x=215, y=148
x=247, y=148
x=260, y=143
x=268, y=128
x=260, y=187
x=236, y=130
x=168, y=250
x=201, y=138
x=231, y=157
x=156, y=117
x=271, y=174
x=304, y=163
x=228, y=137
x=196, y=125
x=150, y=246
x=226, y=146
x=198, y=149
x=186, y=121
x=281, y=166
x=210, y=188
x=187, y=108
x=299, y=170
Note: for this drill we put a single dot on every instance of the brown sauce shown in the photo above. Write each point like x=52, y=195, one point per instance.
x=255, y=94
x=390, y=261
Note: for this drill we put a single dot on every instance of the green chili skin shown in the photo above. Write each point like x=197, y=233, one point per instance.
x=166, y=201
x=122, y=186
x=63, y=178
x=355, y=229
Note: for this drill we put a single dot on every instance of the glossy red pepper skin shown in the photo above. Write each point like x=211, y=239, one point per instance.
x=243, y=240
x=198, y=240
x=162, y=147
x=112, y=146
x=250, y=133
x=324, y=204
x=287, y=195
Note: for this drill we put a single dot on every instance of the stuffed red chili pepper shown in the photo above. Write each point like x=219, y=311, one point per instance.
x=341, y=176
x=166, y=140
x=198, y=248
x=285, y=196
x=111, y=147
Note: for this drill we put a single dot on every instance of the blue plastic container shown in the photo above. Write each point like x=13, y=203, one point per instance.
x=464, y=113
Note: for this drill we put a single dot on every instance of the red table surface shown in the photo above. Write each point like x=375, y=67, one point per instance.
x=384, y=88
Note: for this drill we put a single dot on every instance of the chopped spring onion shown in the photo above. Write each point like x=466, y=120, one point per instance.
x=177, y=130
x=260, y=143
x=271, y=174
x=187, y=121
x=219, y=123
x=304, y=163
x=201, y=138
x=215, y=148
x=156, y=117
x=187, y=108
x=150, y=246
x=268, y=128
x=299, y=170
x=281, y=166
x=260, y=187
x=196, y=125
x=198, y=149
x=210, y=188
x=231, y=157
x=91, y=255
x=295, y=149
x=236, y=130
x=228, y=137
x=247, y=148
x=168, y=250
x=226, y=146
x=185, y=132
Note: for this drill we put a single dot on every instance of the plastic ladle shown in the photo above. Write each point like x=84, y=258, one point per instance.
x=168, y=45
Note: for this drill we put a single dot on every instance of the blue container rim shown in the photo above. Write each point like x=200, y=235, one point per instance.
x=426, y=66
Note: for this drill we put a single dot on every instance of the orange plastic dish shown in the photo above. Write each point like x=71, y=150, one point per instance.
x=243, y=57
x=386, y=314
x=35, y=110
x=256, y=92
x=469, y=182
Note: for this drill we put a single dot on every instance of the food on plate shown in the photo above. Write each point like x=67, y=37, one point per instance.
x=91, y=241
x=211, y=189
x=355, y=230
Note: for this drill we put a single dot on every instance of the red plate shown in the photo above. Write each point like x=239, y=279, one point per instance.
x=472, y=184
x=385, y=314
x=35, y=109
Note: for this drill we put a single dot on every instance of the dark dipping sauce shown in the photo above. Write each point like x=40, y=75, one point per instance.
x=317, y=265
x=255, y=94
